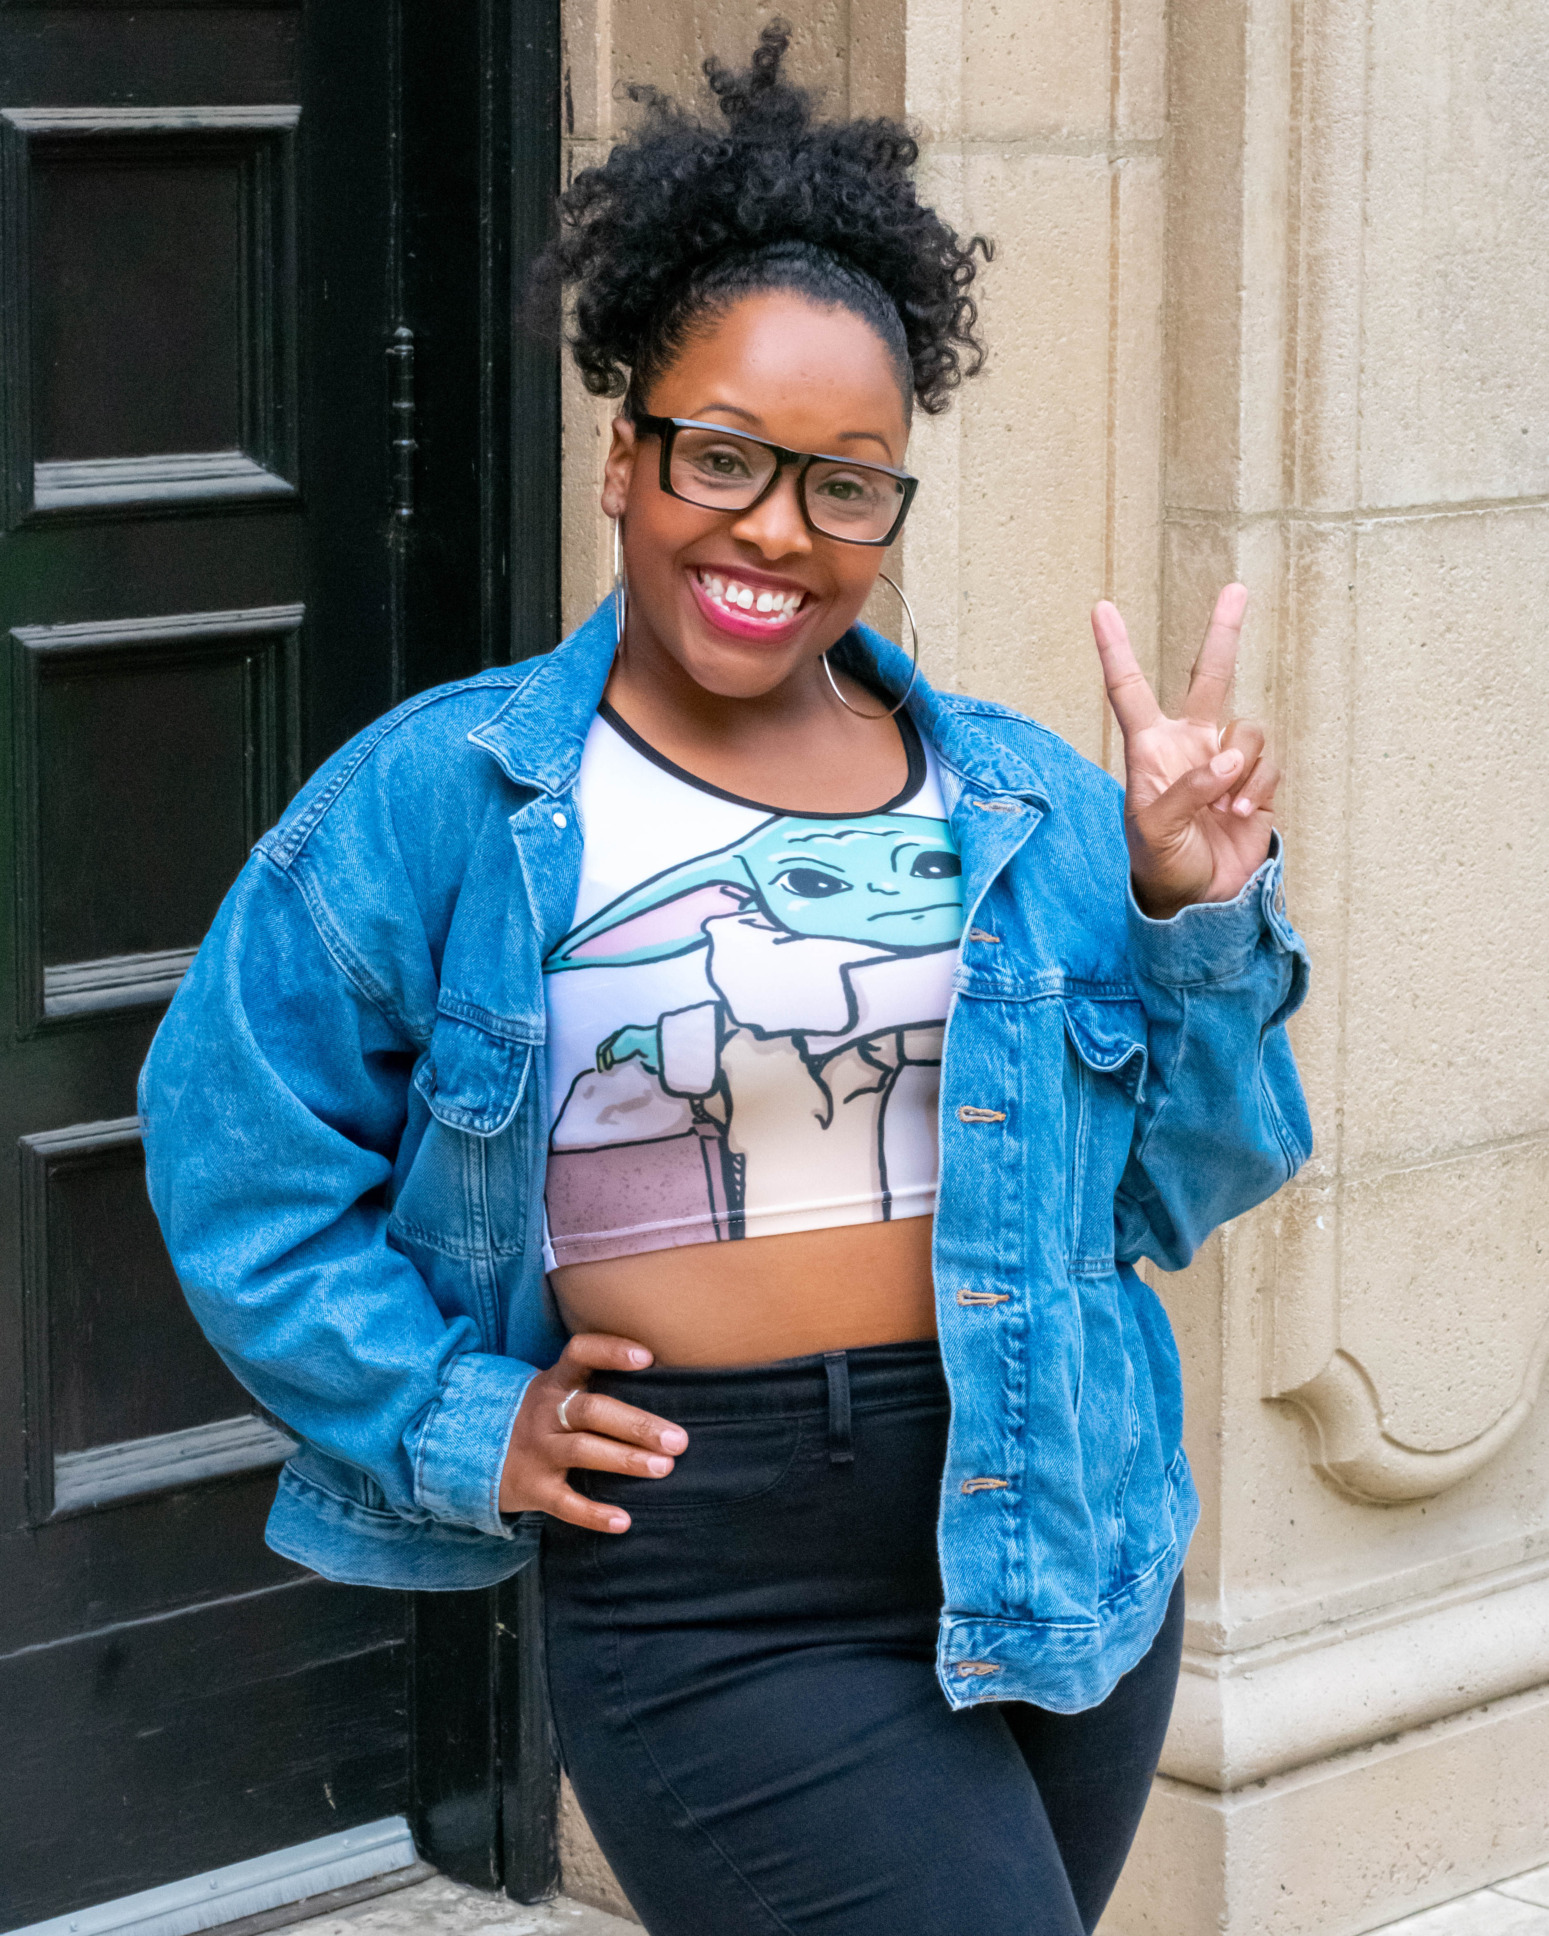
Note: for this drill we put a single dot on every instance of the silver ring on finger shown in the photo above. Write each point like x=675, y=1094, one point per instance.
x=563, y=1407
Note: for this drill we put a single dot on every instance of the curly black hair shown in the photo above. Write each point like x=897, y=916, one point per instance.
x=684, y=217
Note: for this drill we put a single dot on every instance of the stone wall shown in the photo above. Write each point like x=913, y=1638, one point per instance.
x=1272, y=301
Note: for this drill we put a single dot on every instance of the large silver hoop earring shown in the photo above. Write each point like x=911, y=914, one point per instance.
x=620, y=589
x=914, y=670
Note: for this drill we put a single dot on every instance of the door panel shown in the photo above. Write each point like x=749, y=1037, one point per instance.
x=188, y=1709
x=151, y=753
x=154, y=265
x=96, y=1283
x=222, y=230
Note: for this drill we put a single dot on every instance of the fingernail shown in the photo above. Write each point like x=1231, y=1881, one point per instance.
x=675, y=1440
x=1226, y=761
x=659, y=1466
x=639, y=1357
x=618, y=1524
x=1243, y=806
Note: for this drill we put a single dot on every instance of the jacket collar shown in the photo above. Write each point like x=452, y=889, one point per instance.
x=968, y=734
x=539, y=733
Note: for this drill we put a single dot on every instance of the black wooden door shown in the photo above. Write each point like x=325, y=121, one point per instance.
x=266, y=433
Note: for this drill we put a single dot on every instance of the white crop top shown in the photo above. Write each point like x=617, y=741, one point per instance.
x=745, y=1020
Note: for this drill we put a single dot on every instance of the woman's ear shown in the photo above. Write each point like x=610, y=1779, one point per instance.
x=619, y=468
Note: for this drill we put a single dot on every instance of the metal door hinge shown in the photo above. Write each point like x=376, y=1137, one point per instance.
x=400, y=390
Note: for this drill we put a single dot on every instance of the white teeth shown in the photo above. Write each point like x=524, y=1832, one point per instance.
x=734, y=596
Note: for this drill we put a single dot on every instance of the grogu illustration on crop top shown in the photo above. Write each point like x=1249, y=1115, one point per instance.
x=796, y=1086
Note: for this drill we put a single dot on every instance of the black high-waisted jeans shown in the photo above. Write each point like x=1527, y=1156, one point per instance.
x=744, y=1682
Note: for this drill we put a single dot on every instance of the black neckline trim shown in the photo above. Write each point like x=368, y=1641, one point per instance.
x=908, y=732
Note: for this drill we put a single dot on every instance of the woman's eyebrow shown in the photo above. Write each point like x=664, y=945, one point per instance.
x=752, y=417
x=728, y=409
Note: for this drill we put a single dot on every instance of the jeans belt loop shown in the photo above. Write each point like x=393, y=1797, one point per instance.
x=841, y=1449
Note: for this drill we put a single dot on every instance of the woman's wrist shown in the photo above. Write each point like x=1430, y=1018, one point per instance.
x=1159, y=906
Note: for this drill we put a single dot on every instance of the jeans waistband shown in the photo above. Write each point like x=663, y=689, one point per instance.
x=865, y=1378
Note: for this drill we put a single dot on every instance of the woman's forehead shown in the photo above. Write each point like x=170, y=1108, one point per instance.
x=798, y=372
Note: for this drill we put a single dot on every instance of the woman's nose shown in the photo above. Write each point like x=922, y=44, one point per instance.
x=776, y=526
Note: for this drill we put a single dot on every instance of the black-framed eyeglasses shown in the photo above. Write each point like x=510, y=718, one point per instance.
x=727, y=470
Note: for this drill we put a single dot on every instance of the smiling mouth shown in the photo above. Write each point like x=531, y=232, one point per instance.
x=749, y=602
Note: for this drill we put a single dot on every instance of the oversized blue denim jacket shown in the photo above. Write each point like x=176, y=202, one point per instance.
x=344, y=1120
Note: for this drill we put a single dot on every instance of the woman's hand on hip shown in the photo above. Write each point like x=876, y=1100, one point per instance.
x=598, y=1433
x=1199, y=792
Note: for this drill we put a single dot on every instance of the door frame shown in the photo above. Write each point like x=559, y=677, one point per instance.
x=484, y=1782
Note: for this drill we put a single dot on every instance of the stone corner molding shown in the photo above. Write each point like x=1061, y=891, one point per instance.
x=1354, y=1452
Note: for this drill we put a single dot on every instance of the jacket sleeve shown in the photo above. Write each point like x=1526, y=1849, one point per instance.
x=1222, y=1123
x=272, y=1105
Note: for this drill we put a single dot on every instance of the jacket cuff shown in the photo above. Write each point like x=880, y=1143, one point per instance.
x=1215, y=940
x=462, y=1448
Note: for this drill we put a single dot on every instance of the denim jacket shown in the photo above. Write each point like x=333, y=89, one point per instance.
x=345, y=1122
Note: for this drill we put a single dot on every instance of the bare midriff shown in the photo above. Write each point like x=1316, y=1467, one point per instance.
x=762, y=1299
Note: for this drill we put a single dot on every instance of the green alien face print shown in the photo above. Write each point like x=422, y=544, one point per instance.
x=887, y=880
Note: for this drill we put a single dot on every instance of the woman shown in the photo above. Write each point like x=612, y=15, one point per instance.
x=549, y=1129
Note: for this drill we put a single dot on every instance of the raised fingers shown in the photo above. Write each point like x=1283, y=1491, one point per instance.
x=1133, y=702
x=1217, y=661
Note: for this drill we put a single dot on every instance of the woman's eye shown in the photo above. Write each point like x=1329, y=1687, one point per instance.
x=846, y=490
x=722, y=463
x=936, y=867
x=812, y=885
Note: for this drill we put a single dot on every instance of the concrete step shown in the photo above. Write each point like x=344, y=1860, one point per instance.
x=442, y=1908
x=1519, y=1907
x=438, y=1907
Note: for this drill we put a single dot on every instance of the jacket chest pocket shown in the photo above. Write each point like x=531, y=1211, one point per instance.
x=472, y=1079
x=1105, y=1082
x=467, y=1193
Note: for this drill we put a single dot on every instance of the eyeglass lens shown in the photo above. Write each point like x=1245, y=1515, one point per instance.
x=721, y=472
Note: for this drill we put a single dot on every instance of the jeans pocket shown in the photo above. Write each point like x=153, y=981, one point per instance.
x=728, y=1463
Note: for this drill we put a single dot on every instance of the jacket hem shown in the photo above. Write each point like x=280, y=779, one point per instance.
x=356, y=1546
x=1065, y=1666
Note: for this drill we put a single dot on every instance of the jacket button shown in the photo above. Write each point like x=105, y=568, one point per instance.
x=983, y=1297
x=561, y=822
x=971, y=1669
x=980, y=934
x=985, y=1485
x=971, y=1113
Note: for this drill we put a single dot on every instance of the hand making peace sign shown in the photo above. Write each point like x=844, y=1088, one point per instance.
x=1199, y=797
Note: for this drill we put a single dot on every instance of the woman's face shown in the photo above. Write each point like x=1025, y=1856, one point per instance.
x=777, y=366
